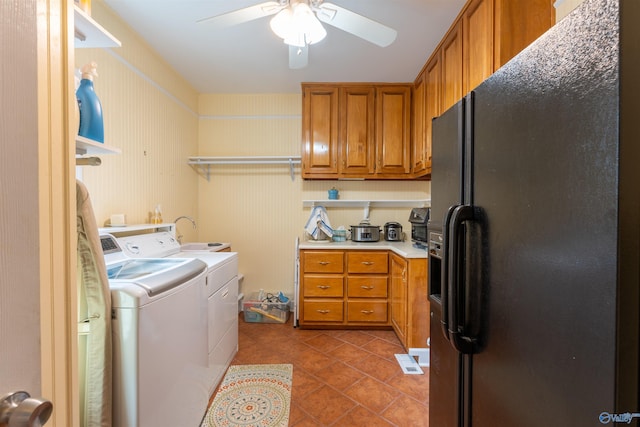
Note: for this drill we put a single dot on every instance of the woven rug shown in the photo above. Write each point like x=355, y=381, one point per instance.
x=252, y=395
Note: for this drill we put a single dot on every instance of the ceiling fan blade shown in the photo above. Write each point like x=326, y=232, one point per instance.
x=243, y=15
x=298, y=57
x=358, y=25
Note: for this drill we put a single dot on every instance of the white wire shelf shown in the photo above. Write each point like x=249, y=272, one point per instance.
x=203, y=164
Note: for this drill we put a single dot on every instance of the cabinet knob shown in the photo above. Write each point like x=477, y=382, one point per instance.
x=324, y=286
x=323, y=311
x=366, y=311
x=368, y=288
x=323, y=262
x=367, y=262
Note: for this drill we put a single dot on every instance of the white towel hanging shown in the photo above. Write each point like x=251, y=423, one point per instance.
x=318, y=223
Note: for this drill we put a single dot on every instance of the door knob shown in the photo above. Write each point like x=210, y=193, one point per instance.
x=19, y=409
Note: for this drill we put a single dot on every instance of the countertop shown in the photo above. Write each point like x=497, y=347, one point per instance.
x=404, y=249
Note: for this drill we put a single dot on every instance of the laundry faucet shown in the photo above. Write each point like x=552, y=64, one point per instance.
x=175, y=221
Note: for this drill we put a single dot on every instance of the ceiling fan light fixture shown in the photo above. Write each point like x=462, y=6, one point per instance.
x=297, y=25
x=281, y=24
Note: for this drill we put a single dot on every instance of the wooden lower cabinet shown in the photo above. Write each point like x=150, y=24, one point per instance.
x=409, y=300
x=365, y=289
x=344, y=288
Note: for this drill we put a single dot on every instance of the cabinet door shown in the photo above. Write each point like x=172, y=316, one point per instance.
x=477, y=28
x=393, y=121
x=418, y=146
x=517, y=24
x=319, y=131
x=399, y=297
x=418, y=314
x=433, y=101
x=452, y=83
x=357, y=128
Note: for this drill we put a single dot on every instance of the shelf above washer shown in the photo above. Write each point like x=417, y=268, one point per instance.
x=88, y=33
x=203, y=164
x=91, y=147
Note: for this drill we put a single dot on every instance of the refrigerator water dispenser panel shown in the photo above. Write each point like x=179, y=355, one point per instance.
x=435, y=266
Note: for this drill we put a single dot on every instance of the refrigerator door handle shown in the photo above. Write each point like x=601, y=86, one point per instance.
x=444, y=276
x=456, y=291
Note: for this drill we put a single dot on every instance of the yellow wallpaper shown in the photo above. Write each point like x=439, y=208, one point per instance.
x=258, y=208
x=150, y=114
x=159, y=121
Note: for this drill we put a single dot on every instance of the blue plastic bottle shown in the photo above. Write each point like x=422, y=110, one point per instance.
x=91, y=124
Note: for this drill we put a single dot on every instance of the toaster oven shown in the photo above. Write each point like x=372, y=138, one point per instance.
x=418, y=220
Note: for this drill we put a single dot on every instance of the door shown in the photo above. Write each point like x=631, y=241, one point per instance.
x=398, y=281
x=357, y=130
x=393, y=130
x=319, y=130
x=445, y=377
x=477, y=48
x=37, y=224
x=433, y=103
x=419, y=147
x=19, y=274
x=452, y=78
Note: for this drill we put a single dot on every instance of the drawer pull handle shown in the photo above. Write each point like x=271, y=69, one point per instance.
x=324, y=286
x=366, y=311
x=323, y=262
x=368, y=288
x=368, y=262
x=323, y=311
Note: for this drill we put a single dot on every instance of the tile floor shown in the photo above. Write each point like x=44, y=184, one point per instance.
x=340, y=377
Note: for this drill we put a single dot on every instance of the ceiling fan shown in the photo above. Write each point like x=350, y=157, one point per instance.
x=297, y=22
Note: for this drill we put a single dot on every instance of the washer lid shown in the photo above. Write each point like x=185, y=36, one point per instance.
x=155, y=275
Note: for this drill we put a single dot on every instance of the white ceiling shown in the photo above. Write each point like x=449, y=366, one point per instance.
x=249, y=58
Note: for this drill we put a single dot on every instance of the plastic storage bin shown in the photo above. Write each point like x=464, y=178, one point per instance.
x=257, y=311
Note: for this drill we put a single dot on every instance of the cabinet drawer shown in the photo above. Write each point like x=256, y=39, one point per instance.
x=367, y=287
x=323, y=311
x=367, y=311
x=367, y=262
x=323, y=262
x=323, y=286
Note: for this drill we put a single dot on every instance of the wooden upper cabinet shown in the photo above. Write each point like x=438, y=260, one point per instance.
x=319, y=130
x=477, y=46
x=433, y=101
x=419, y=146
x=357, y=130
x=517, y=24
x=452, y=60
x=393, y=130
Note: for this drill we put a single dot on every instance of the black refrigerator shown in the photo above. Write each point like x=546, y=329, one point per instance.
x=534, y=251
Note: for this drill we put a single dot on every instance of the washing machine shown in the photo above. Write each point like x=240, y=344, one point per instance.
x=159, y=323
x=221, y=293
